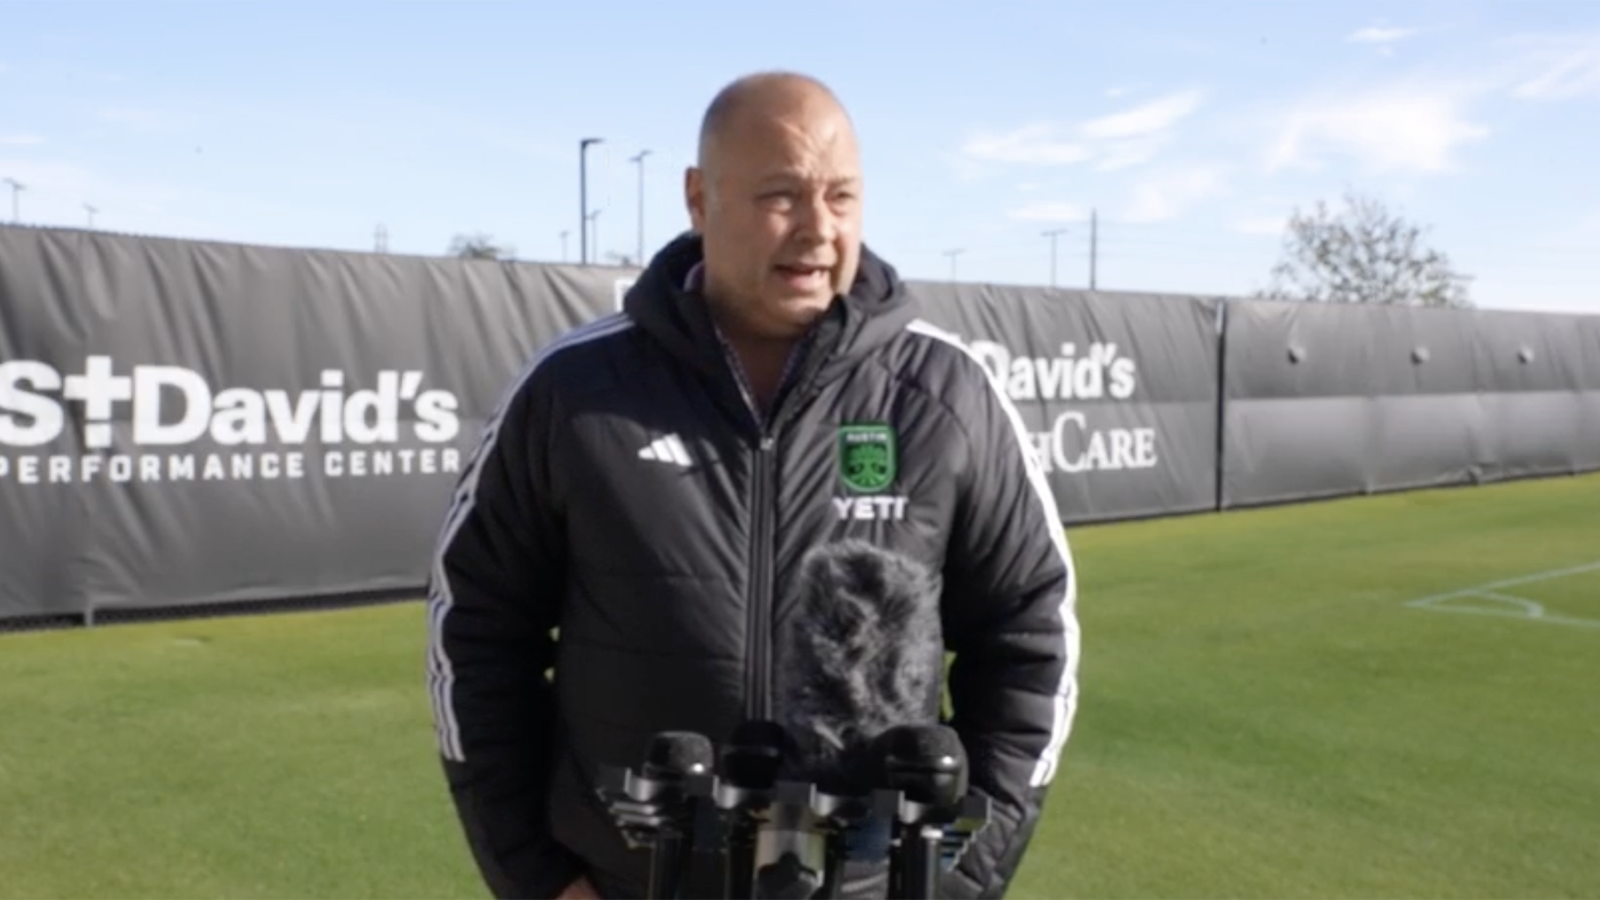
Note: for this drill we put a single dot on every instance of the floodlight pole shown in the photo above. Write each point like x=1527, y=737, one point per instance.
x=17, y=188
x=639, y=260
x=583, y=198
x=1052, y=235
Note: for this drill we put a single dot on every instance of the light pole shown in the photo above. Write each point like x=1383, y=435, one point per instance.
x=640, y=160
x=594, y=221
x=17, y=188
x=1052, y=234
x=91, y=210
x=953, y=254
x=564, y=233
x=583, y=198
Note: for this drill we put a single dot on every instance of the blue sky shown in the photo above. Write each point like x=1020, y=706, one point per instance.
x=1192, y=129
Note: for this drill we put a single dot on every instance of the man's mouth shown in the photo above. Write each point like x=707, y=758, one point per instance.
x=801, y=273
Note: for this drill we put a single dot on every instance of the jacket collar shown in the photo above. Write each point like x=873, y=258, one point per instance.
x=667, y=304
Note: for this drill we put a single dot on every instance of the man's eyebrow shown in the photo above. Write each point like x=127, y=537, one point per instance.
x=791, y=177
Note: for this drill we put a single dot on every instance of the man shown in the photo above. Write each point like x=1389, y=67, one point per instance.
x=656, y=484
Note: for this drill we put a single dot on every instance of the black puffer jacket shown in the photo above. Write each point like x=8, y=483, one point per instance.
x=626, y=495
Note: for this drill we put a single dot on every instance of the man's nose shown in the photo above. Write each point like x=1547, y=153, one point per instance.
x=817, y=220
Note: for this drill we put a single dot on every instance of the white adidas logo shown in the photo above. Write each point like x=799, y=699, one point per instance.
x=668, y=450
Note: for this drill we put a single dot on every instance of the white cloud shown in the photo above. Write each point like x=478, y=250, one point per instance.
x=1261, y=225
x=1115, y=92
x=1152, y=118
x=1398, y=128
x=1038, y=144
x=1122, y=154
x=1376, y=35
x=1167, y=195
x=1051, y=212
x=964, y=167
x=20, y=140
x=1565, y=68
x=145, y=119
x=1116, y=141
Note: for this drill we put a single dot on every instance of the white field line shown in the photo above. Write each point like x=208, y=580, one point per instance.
x=1529, y=610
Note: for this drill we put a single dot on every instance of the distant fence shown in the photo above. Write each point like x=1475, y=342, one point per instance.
x=186, y=423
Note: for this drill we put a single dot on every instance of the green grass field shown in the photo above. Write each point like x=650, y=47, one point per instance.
x=1263, y=715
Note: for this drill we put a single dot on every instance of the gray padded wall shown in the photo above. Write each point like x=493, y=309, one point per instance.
x=223, y=472
x=1118, y=391
x=1325, y=400
x=337, y=394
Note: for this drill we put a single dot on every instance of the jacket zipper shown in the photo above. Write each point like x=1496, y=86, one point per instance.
x=762, y=551
x=763, y=544
x=764, y=548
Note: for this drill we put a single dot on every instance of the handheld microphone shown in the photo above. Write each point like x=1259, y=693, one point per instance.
x=655, y=806
x=672, y=757
x=927, y=764
x=752, y=759
x=776, y=852
x=756, y=754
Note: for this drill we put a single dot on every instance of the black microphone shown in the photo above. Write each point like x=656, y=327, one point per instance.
x=928, y=765
x=777, y=852
x=755, y=754
x=926, y=762
x=672, y=757
x=752, y=759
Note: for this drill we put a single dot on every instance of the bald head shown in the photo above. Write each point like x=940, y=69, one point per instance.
x=764, y=95
x=776, y=197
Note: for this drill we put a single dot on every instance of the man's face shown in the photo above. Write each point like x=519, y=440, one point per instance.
x=779, y=208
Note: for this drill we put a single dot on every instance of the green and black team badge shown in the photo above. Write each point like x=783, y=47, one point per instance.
x=867, y=457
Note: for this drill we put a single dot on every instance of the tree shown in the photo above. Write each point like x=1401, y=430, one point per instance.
x=1363, y=254
x=479, y=246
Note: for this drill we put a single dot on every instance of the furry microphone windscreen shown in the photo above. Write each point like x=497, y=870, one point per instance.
x=863, y=653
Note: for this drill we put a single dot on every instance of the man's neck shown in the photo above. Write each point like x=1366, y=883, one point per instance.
x=762, y=359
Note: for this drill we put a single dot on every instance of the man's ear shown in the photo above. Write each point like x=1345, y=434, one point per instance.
x=694, y=197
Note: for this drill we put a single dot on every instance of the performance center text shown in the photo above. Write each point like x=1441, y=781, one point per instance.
x=133, y=426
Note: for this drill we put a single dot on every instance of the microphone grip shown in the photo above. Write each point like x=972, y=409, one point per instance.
x=914, y=872
x=741, y=862
x=666, y=866
x=833, y=870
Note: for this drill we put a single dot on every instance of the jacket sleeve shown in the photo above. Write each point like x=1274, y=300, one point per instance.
x=1010, y=620
x=492, y=606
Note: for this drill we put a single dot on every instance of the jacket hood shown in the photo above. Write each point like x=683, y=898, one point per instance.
x=869, y=315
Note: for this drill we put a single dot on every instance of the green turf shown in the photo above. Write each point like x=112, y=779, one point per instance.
x=1262, y=716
